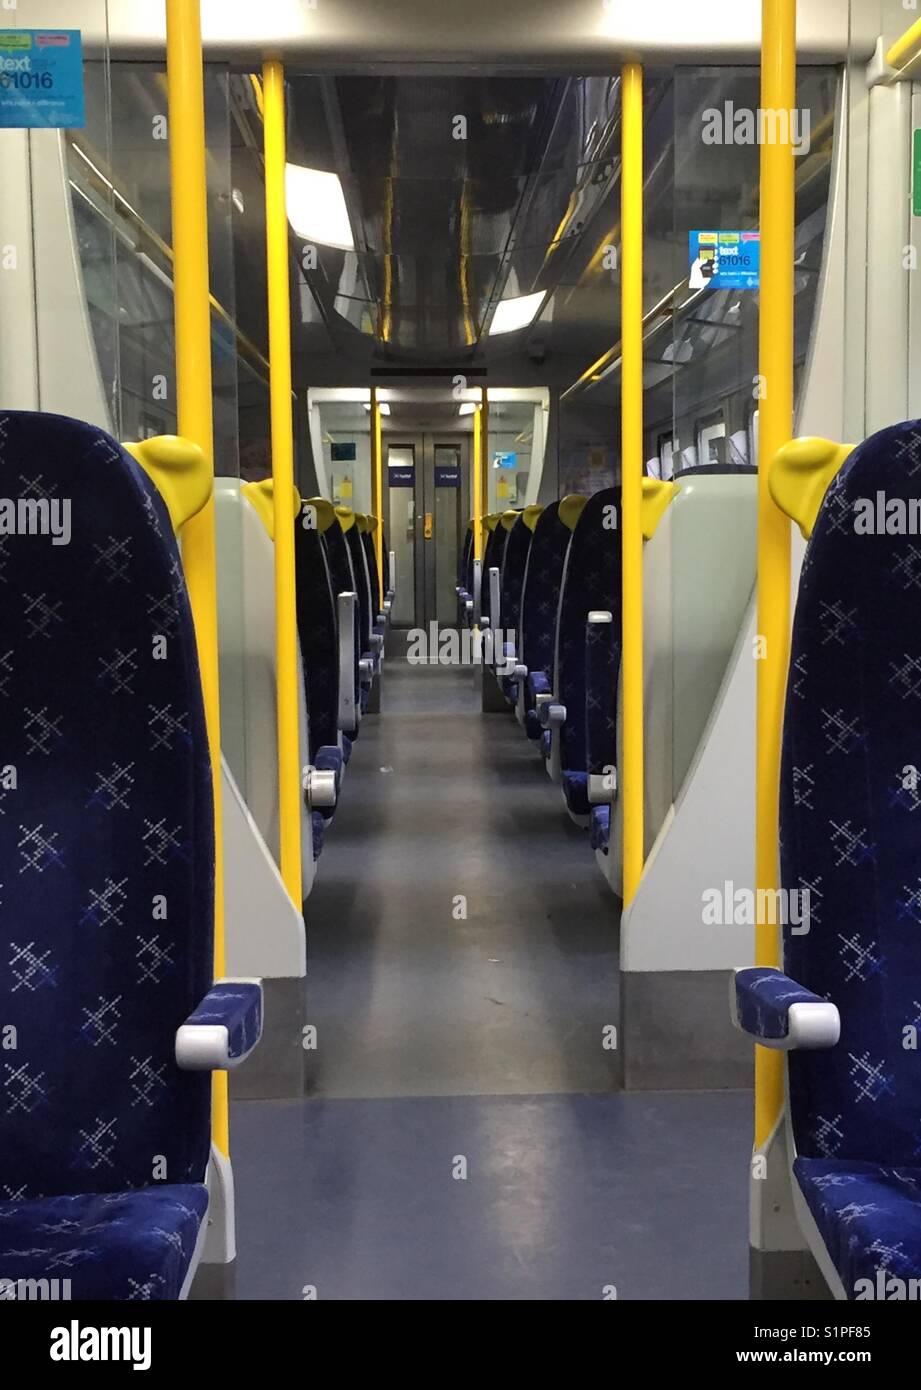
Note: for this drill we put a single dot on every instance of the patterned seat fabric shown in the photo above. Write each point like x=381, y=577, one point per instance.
x=106, y=856
x=540, y=597
x=592, y=581
x=319, y=636
x=122, y=1245
x=851, y=839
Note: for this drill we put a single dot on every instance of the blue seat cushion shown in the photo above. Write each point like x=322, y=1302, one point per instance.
x=135, y=1245
x=600, y=828
x=330, y=758
x=575, y=790
x=869, y=1217
x=318, y=827
x=532, y=725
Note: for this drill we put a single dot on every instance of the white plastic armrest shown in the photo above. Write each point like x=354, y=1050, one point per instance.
x=206, y=1046
x=520, y=672
x=602, y=787
x=552, y=716
x=477, y=591
x=392, y=591
x=545, y=698
x=366, y=668
x=347, y=604
x=320, y=787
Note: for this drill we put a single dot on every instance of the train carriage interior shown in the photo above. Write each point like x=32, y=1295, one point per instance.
x=458, y=670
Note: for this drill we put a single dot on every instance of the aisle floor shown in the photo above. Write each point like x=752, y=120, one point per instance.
x=465, y=1137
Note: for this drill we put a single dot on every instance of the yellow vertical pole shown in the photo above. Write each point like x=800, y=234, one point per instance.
x=485, y=468
x=478, y=510
x=631, y=431
x=185, y=88
x=282, y=426
x=775, y=428
x=377, y=489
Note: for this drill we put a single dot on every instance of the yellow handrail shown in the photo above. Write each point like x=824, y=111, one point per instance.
x=631, y=414
x=906, y=47
x=192, y=308
x=775, y=428
x=282, y=426
x=377, y=490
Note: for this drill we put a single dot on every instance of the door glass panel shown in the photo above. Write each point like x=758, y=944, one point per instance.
x=401, y=519
x=447, y=494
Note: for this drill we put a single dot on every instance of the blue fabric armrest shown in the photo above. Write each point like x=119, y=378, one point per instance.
x=769, y=1006
x=540, y=683
x=224, y=1029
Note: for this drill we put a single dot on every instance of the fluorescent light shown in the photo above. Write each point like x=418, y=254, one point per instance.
x=467, y=408
x=382, y=406
x=316, y=207
x=512, y=314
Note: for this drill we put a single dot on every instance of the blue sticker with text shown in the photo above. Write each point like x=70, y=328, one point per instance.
x=41, y=79
x=401, y=475
x=505, y=460
x=724, y=260
x=447, y=475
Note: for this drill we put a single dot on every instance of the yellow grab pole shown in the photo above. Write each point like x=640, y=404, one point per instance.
x=775, y=428
x=631, y=434
x=484, y=464
x=478, y=509
x=192, y=307
x=282, y=426
x=377, y=490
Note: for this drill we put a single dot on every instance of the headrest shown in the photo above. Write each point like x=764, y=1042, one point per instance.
x=363, y=523
x=179, y=471
x=800, y=474
x=324, y=511
x=262, y=497
x=657, y=494
x=346, y=518
x=571, y=508
x=508, y=519
x=491, y=521
x=373, y=523
x=531, y=515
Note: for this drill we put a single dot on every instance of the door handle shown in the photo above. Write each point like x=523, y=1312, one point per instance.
x=427, y=528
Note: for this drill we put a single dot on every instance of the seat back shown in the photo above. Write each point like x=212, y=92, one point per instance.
x=106, y=827
x=493, y=554
x=362, y=586
x=850, y=819
x=540, y=594
x=592, y=581
x=367, y=541
x=515, y=560
x=319, y=635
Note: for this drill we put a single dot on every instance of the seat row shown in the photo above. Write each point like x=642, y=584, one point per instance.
x=548, y=597
x=342, y=610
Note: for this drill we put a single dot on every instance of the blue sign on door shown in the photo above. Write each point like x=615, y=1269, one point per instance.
x=41, y=79
x=724, y=260
x=401, y=475
x=447, y=475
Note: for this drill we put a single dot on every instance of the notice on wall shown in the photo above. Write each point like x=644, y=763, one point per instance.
x=724, y=260
x=401, y=475
x=447, y=475
x=41, y=79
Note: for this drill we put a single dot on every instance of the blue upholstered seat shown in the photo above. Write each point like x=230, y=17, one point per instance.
x=319, y=637
x=539, y=602
x=592, y=581
x=851, y=839
x=107, y=866
x=342, y=577
x=119, y=1245
x=600, y=828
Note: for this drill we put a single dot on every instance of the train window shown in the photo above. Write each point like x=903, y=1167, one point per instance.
x=666, y=456
x=753, y=437
x=711, y=441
